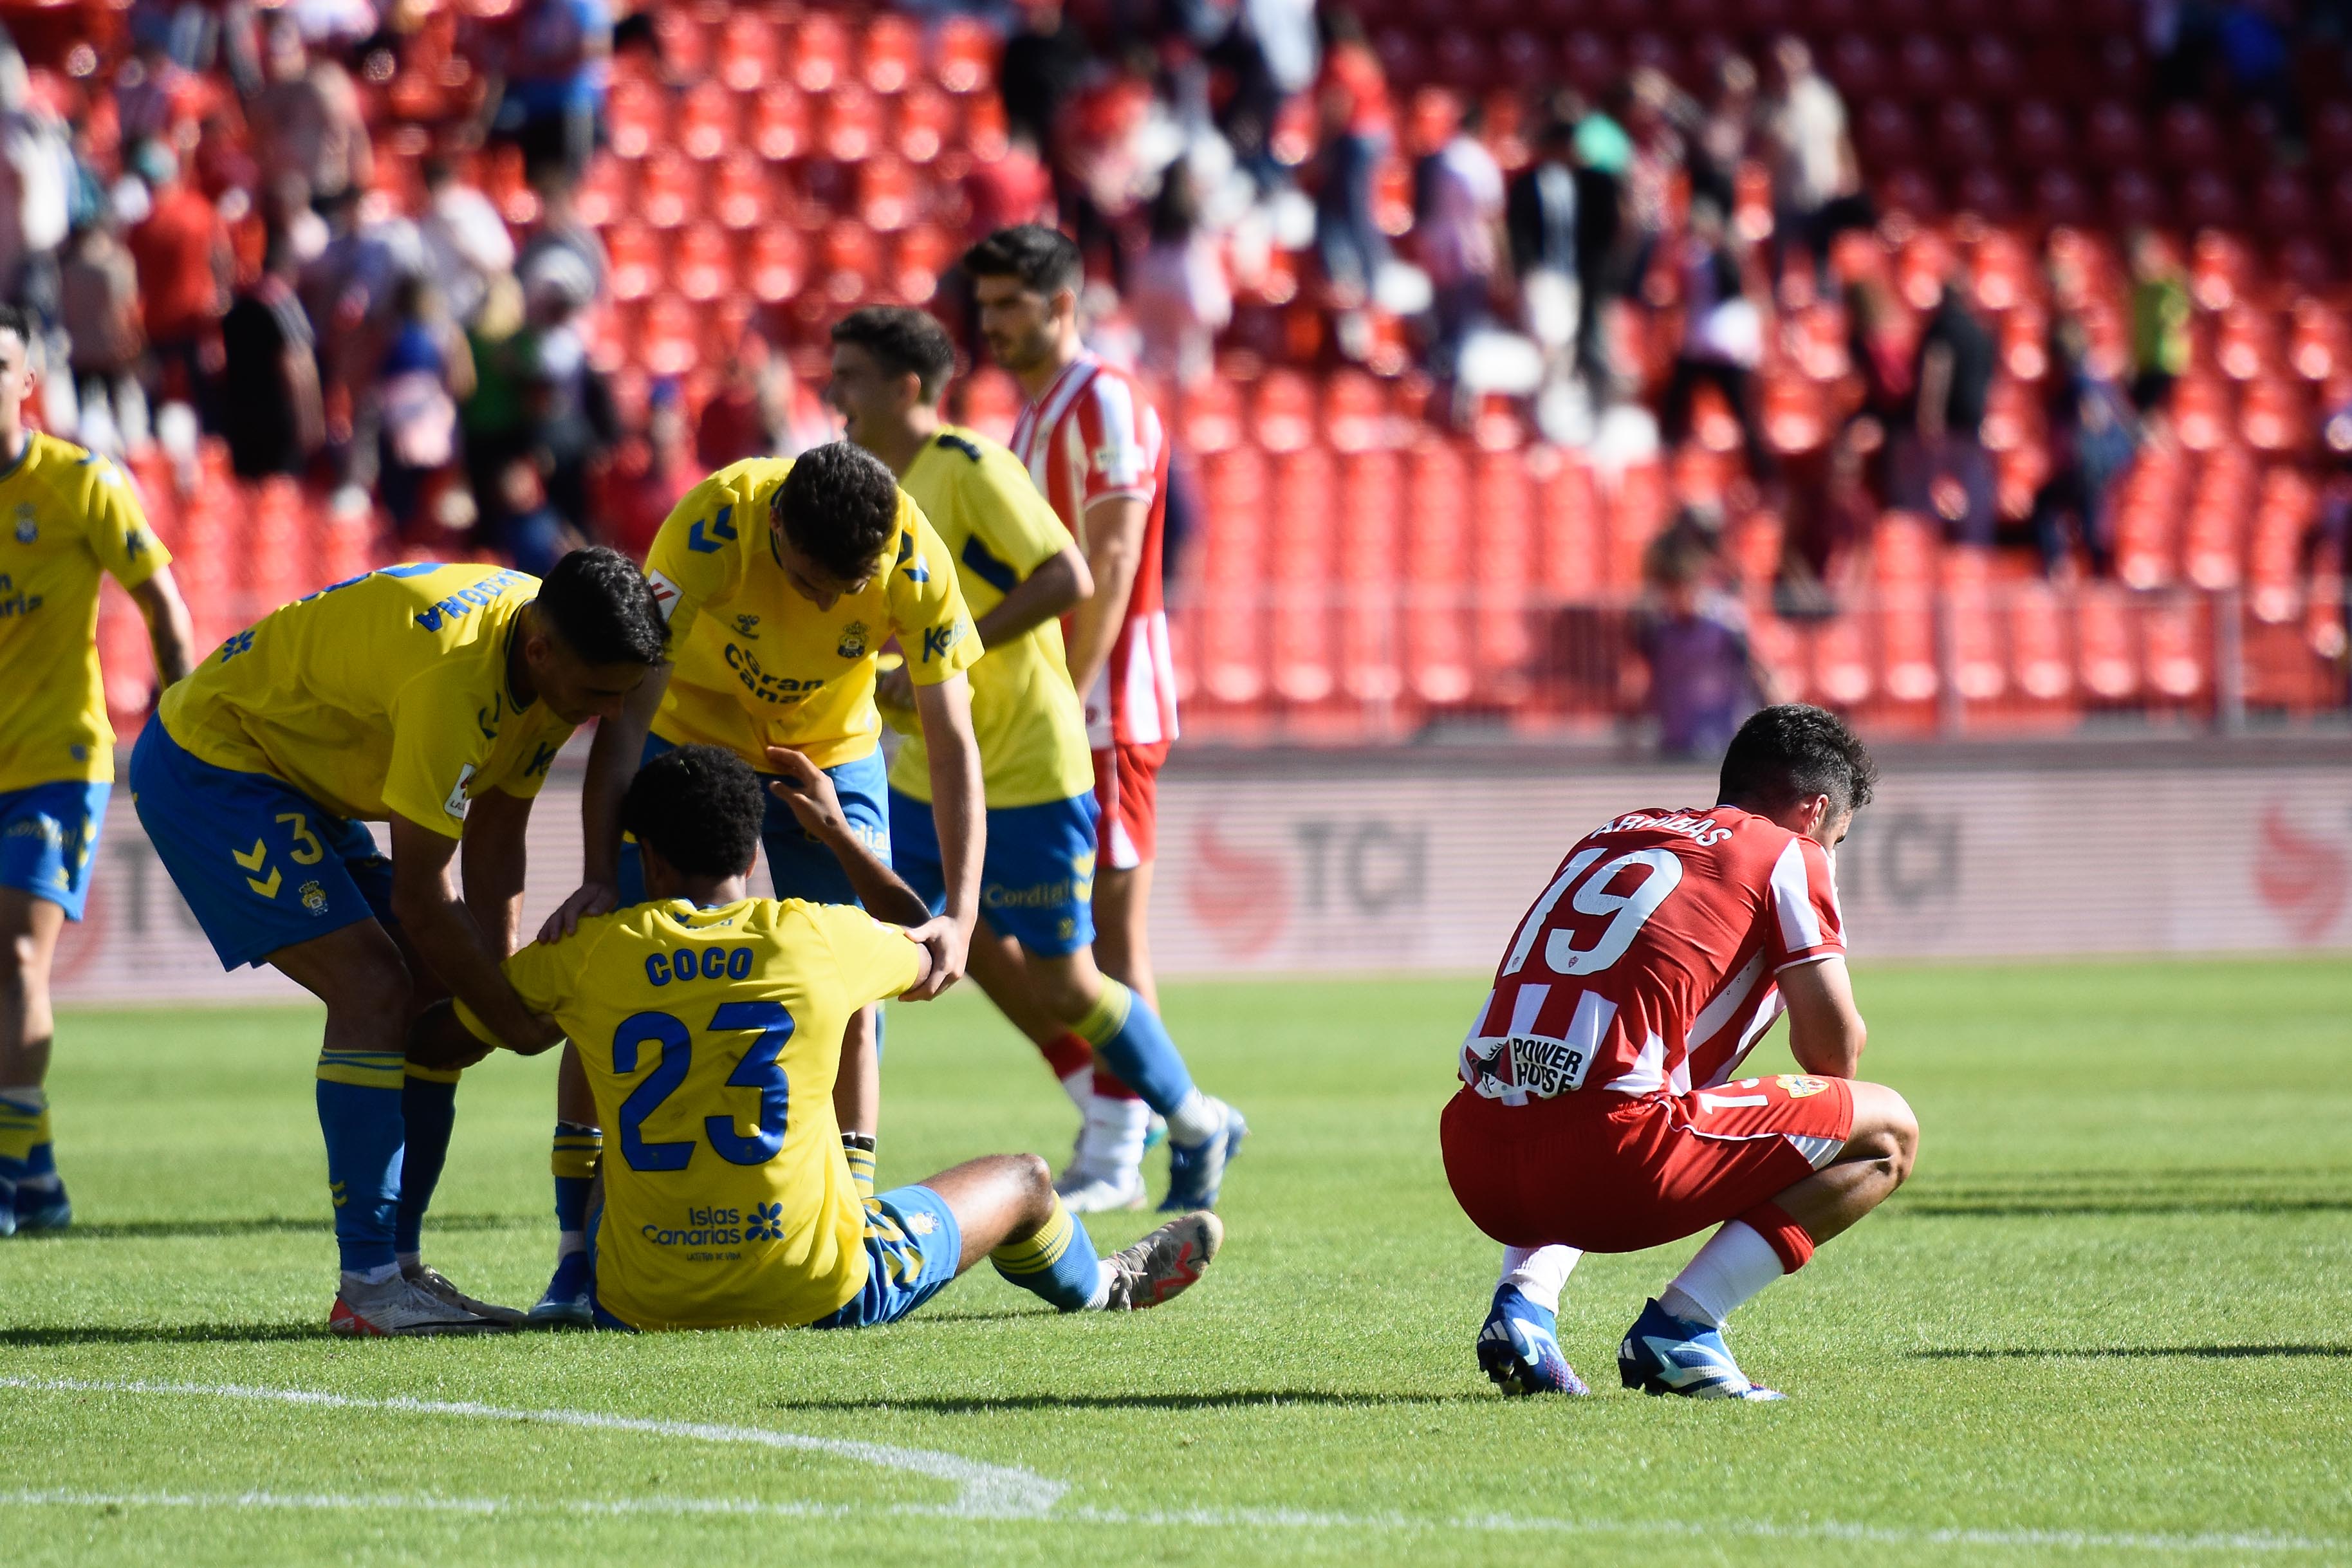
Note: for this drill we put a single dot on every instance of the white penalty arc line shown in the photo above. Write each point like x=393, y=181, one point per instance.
x=985, y=1491
x=1005, y=1492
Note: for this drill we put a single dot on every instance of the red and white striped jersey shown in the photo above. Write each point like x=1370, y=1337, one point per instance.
x=1093, y=436
x=1650, y=961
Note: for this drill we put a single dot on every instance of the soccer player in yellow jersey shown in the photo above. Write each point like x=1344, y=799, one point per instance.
x=1033, y=953
x=66, y=518
x=432, y=699
x=782, y=579
x=709, y=1024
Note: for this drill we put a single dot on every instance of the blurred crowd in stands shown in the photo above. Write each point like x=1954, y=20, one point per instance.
x=207, y=221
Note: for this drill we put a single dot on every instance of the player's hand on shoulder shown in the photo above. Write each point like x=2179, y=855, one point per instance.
x=804, y=787
x=439, y=1043
x=588, y=898
x=943, y=939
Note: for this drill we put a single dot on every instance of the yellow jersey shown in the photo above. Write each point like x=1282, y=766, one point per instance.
x=1025, y=715
x=388, y=694
x=757, y=665
x=711, y=1038
x=66, y=515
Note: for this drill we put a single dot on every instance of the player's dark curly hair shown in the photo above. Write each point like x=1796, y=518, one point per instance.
x=1793, y=752
x=603, y=608
x=839, y=506
x=1047, y=261
x=700, y=809
x=904, y=341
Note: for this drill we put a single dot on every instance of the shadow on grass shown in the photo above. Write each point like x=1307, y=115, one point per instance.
x=2137, y=1352
x=172, y=1333
x=1236, y=1399
x=265, y=1225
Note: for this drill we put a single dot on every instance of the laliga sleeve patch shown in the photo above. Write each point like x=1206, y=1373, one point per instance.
x=665, y=594
x=456, y=804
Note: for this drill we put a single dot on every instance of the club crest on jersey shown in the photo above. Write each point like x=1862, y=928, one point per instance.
x=1795, y=1086
x=314, y=898
x=28, y=528
x=852, y=641
x=922, y=1224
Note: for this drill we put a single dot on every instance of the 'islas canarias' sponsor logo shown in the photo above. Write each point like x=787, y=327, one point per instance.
x=719, y=1227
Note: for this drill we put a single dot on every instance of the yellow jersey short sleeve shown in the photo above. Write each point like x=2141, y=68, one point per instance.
x=388, y=694
x=1025, y=716
x=756, y=664
x=711, y=1039
x=66, y=518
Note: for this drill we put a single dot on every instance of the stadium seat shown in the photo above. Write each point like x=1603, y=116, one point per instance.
x=669, y=189
x=926, y=121
x=819, y=53
x=779, y=122
x=1305, y=524
x=2108, y=657
x=636, y=116
x=891, y=55
x=1372, y=499
x=775, y=267
x=1437, y=651
x=1234, y=615
x=2178, y=652
x=710, y=120
x=2041, y=660
x=1502, y=548
x=634, y=260
x=849, y=123
x=918, y=257
x=747, y=50
x=963, y=54
x=1842, y=669
x=1571, y=544
x=703, y=262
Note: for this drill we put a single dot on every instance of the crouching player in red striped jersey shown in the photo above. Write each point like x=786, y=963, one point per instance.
x=1600, y=1110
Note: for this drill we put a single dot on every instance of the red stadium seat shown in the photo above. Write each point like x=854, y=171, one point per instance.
x=1234, y=610
x=636, y=116
x=2038, y=135
x=963, y=54
x=819, y=53
x=603, y=197
x=634, y=258
x=1371, y=496
x=775, y=267
x=1993, y=69
x=1843, y=675
x=1438, y=650
x=780, y=124
x=1927, y=70
x=926, y=121
x=742, y=191
x=2041, y=656
x=747, y=50
x=2113, y=135
x=1282, y=411
x=1304, y=519
x=1571, y=543
x=1210, y=417
x=1887, y=136
x=1354, y=412
x=686, y=46
x=893, y=53
x=702, y=263
x=2108, y=657
x=920, y=254
x=1502, y=551
x=669, y=189
x=1588, y=61
x=2178, y=654
x=890, y=195
x=1963, y=135
x=849, y=123
x=710, y=120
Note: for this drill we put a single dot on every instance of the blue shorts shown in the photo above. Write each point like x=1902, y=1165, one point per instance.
x=49, y=836
x=262, y=865
x=912, y=1247
x=798, y=865
x=1036, y=879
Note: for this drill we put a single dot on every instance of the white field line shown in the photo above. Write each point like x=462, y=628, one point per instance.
x=999, y=1492
x=984, y=1489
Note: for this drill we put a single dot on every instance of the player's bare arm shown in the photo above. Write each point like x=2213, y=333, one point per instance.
x=816, y=805
x=1114, y=530
x=957, y=804
x=1826, y=1033
x=443, y=931
x=613, y=758
x=491, y=865
x=1056, y=588
x=170, y=633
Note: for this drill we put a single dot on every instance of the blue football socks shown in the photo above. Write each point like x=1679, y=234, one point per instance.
x=1128, y=1039
x=428, y=1108
x=359, y=1112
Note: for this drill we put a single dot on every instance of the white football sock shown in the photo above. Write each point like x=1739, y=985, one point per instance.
x=1101, y=1298
x=408, y=1260
x=376, y=1276
x=567, y=1242
x=31, y=1097
x=1113, y=1140
x=1195, y=1119
x=1538, y=1273
x=1736, y=1263
x=1080, y=1087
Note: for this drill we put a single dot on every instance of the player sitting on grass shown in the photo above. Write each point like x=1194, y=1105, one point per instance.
x=1599, y=1111
x=1033, y=953
x=709, y=1024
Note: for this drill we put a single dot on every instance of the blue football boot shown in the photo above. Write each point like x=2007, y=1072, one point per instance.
x=41, y=1207
x=1519, y=1348
x=571, y=1299
x=1196, y=1173
x=1663, y=1355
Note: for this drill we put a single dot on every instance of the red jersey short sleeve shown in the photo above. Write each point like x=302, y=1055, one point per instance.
x=1647, y=963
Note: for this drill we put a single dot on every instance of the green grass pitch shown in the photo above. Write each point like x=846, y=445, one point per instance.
x=2105, y=1323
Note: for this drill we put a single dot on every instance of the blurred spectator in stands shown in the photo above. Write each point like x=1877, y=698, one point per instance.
x=1357, y=128
x=1269, y=53
x=568, y=405
x=1828, y=509
x=307, y=120
x=2160, y=321
x=1604, y=157
x=760, y=409
x=1723, y=338
x=154, y=94
x=1721, y=132
x=348, y=289
x=99, y=298
x=1540, y=223
x=37, y=174
x=1816, y=181
x=1942, y=469
x=494, y=420
x=652, y=472
x=2094, y=434
x=530, y=532
x=1705, y=679
x=1044, y=60
x=270, y=409
x=1177, y=290
x=426, y=370
x=559, y=228
x=550, y=95
x=1460, y=238
x=181, y=253
x=467, y=243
